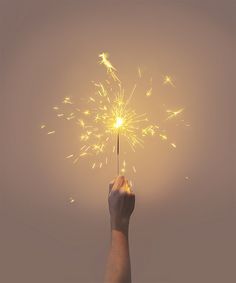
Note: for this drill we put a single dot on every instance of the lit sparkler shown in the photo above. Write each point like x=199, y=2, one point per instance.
x=108, y=114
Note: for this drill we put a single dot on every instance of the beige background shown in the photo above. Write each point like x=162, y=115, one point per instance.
x=182, y=231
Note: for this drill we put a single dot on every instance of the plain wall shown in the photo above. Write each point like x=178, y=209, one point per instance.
x=182, y=230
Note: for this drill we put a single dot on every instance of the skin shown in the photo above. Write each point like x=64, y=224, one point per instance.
x=121, y=205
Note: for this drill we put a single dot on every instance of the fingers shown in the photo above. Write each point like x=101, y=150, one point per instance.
x=121, y=199
x=116, y=183
x=121, y=184
x=126, y=188
x=111, y=185
x=129, y=203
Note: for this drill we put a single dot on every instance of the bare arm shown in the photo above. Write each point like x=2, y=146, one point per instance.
x=121, y=205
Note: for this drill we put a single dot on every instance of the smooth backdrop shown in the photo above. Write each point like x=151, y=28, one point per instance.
x=183, y=229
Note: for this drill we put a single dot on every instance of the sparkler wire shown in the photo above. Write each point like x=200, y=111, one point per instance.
x=118, y=153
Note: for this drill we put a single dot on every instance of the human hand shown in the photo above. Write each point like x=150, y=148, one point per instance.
x=121, y=203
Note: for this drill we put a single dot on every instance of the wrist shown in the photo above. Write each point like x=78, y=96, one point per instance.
x=121, y=224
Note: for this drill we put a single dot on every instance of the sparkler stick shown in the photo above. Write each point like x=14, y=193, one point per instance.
x=118, y=152
x=118, y=125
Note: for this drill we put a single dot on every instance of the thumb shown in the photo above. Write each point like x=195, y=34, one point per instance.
x=119, y=181
x=111, y=185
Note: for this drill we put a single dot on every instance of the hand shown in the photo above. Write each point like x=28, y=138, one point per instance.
x=121, y=203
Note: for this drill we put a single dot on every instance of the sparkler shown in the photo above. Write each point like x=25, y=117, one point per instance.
x=109, y=114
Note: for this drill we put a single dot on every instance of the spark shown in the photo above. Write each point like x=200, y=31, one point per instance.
x=81, y=122
x=70, y=118
x=42, y=126
x=86, y=112
x=92, y=99
x=110, y=68
x=83, y=154
x=71, y=200
x=173, y=114
x=76, y=160
x=173, y=145
x=163, y=137
x=150, y=130
x=139, y=72
x=67, y=100
x=124, y=167
x=52, y=132
x=69, y=156
x=149, y=92
x=168, y=80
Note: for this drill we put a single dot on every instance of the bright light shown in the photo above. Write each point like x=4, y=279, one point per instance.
x=168, y=80
x=118, y=123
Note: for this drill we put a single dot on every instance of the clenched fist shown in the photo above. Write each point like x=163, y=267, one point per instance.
x=121, y=203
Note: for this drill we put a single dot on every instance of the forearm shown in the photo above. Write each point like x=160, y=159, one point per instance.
x=121, y=205
x=118, y=266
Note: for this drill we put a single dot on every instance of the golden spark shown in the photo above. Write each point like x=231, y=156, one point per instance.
x=110, y=69
x=173, y=114
x=71, y=200
x=168, y=80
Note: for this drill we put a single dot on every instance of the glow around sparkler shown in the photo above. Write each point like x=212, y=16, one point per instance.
x=109, y=114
